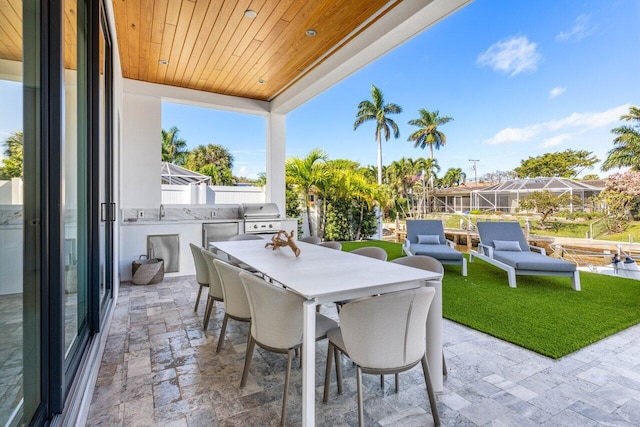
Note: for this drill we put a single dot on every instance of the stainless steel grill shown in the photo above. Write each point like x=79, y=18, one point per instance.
x=260, y=218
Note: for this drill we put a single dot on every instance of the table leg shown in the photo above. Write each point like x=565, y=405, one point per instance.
x=309, y=364
x=434, y=337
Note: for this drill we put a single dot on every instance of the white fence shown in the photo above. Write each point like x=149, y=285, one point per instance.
x=201, y=194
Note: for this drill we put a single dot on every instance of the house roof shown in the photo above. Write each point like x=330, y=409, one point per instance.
x=540, y=184
x=176, y=175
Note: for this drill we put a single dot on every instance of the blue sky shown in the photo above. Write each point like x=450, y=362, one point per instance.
x=520, y=79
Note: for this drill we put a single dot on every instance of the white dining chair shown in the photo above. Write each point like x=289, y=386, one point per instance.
x=236, y=305
x=314, y=240
x=428, y=263
x=276, y=325
x=215, y=287
x=332, y=245
x=384, y=334
x=202, y=274
x=371, y=252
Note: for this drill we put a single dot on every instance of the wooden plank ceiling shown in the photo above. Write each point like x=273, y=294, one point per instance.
x=210, y=45
x=11, y=32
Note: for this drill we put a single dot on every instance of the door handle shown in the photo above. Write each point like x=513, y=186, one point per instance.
x=113, y=212
x=103, y=212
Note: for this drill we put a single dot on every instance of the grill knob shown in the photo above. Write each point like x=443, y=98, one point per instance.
x=270, y=225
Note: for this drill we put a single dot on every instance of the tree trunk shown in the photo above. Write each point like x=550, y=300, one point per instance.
x=308, y=203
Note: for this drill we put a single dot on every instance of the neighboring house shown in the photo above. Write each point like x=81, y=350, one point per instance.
x=505, y=196
x=455, y=199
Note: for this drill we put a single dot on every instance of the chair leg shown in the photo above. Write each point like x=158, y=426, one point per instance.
x=207, y=312
x=198, y=298
x=382, y=382
x=222, y=331
x=397, y=383
x=338, y=360
x=360, y=403
x=247, y=360
x=444, y=366
x=283, y=419
x=432, y=395
x=327, y=374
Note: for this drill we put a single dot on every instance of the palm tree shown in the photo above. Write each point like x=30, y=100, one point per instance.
x=212, y=160
x=429, y=134
x=453, y=176
x=626, y=152
x=174, y=149
x=305, y=175
x=376, y=110
x=12, y=165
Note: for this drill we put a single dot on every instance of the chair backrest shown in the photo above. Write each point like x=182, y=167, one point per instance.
x=202, y=273
x=503, y=231
x=423, y=262
x=332, y=245
x=314, y=240
x=276, y=313
x=215, y=287
x=371, y=252
x=235, y=298
x=387, y=331
x=245, y=237
x=425, y=227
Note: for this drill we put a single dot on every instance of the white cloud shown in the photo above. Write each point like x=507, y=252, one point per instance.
x=547, y=131
x=514, y=55
x=556, y=140
x=580, y=30
x=557, y=91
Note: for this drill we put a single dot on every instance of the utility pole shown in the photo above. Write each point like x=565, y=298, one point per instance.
x=475, y=169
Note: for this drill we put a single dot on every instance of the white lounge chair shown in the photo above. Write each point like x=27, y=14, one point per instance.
x=503, y=245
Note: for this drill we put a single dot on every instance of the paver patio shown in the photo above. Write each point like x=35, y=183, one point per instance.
x=160, y=368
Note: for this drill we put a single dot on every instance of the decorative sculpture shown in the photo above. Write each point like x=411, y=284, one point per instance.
x=278, y=241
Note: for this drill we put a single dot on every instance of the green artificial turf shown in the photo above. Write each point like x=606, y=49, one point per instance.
x=394, y=250
x=543, y=313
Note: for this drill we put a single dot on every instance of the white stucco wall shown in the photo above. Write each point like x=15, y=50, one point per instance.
x=140, y=151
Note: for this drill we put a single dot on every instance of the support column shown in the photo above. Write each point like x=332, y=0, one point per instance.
x=276, y=147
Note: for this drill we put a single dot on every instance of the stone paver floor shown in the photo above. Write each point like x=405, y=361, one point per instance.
x=160, y=368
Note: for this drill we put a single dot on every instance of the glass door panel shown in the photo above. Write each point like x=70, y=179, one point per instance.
x=74, y=173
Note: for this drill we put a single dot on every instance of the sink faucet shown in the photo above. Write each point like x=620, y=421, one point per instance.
x=161, y=212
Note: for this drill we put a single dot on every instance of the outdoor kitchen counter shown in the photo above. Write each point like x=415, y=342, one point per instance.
x=179, y=221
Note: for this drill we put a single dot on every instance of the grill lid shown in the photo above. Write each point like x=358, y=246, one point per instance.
x=259, y=211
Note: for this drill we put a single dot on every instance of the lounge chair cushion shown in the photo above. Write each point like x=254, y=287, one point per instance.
x=507, y=245
x=429, y=239
x=533, y=261
x=439, y=252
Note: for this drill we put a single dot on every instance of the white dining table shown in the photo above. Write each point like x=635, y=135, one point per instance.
x=323, y=275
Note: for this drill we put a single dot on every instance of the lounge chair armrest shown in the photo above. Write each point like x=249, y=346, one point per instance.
x=486, y=250
x=407, y=243
x=538, y=249
x=450, y=243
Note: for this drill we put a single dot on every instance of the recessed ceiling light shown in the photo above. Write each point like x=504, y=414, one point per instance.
x=261, y=81
x=310, y=32
x=250, y=13
x=163, y=62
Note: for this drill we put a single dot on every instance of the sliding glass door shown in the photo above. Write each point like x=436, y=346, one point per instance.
x=56, y=248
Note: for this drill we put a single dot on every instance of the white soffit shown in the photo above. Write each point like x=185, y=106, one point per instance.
x=403, y=22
